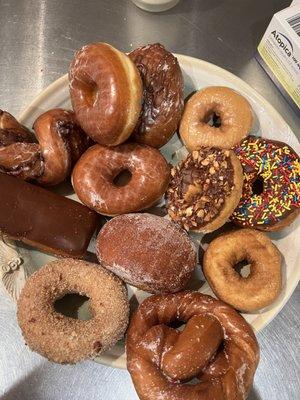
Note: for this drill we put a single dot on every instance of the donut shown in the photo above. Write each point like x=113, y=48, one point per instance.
x=61, y=141
x=271, y=193
x=217, y=346
x=264, y=283
x=95, y=174
x=63, y=339
x=162, y=94
x=106, y=93
x=215, y=116
x=152, y=254
x=204, y=189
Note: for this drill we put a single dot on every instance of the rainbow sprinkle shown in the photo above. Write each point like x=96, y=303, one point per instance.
x=279, y=167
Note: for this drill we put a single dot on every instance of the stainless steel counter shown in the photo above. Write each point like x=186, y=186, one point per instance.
x=38, y=38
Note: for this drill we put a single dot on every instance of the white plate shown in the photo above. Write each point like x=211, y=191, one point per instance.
x=269, y=124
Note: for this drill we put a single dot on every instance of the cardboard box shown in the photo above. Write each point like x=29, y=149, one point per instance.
x=279, y=53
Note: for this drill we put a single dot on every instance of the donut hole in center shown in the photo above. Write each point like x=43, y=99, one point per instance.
x=74, y=305
x=122, y=178
x=243, y=268
x=258, y=185
x=213, y=119
x=90, y=90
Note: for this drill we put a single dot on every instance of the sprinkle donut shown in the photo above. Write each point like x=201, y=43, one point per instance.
x=63, y=339
x=271, y=191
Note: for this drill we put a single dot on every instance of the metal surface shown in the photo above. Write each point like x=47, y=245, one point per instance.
x=38, y=38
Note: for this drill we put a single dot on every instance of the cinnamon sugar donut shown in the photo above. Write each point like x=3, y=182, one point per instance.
x=204, y=189
x=217, y=347
x=152, y=254
x=95, y=173
x=106, y=93
x=263, y=284
x=232, y=110
x=162, y=94
x=63, y=339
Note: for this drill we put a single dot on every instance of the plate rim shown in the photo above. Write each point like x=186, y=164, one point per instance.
x=62, y=81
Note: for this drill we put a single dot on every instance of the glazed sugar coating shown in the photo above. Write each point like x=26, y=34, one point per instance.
x=162, y=94
x=46, y=157
x=277, y=167
x=106, y=93
x=232, y=111
x=66, y=340
x=204, y=189
x=264, y=283
x=94, y=174
x=147, y=251
x=216, y=345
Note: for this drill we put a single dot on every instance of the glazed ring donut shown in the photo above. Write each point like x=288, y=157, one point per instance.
x=231, y=108
x=66, y=340
x=162, y=94
x=261, y=287
x=217, y=346
x=61, y=141
x=271, y=193
x=95, y=173
x=106, y=93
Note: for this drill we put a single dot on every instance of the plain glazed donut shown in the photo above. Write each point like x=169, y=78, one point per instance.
x=63, y=339
x=204, y=189
x=162, y=94
x=106, y=93
x=152, y=254
x=217, y=346
x=263, y=284
x=271, y=192
x=231, y=108
x=94, y=175
x=61, y=141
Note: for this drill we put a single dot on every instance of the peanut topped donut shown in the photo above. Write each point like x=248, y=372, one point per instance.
x=106, y=93
x=231, y=114
x=217, y=347
x=261, y=287
x=61, y=141
x=271, y=193
x=205, y=189
x=162, y=94
x=95, y=174
x=63, y=339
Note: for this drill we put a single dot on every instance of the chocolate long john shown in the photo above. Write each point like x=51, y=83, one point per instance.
x=45, y=220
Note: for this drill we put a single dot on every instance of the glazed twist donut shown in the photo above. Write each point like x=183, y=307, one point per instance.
x=46, y=157
x=217, y=346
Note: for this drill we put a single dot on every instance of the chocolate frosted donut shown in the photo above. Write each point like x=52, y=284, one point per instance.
x=63, y=339
x=162, y=94
x=205, y=189
x=152, y=253
x=94, y=178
